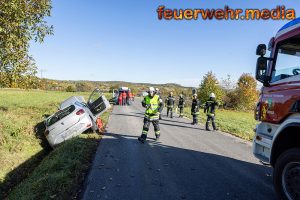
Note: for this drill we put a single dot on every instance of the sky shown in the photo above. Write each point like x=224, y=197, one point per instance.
x=120, y=40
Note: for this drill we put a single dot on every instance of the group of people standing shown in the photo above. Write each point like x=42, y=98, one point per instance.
x=154, y=106
x=170, y=104
x=125, y=98
x=210, y=107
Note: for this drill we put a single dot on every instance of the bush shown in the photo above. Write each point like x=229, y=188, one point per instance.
x=245, y=95
x=70, y=88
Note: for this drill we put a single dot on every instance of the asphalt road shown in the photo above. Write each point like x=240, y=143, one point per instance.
x=186, y=163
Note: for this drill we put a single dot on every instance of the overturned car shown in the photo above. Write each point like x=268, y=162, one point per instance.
x=74, y=117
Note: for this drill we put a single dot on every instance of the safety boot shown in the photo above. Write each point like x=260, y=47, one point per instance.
x=157, y=137
x=142, y=138
x=207, y=126
x=214, y=126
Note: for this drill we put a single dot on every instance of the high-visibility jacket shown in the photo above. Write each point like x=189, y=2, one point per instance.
x=153, y=107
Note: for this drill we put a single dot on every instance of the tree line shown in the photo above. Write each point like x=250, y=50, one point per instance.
x=241, y=95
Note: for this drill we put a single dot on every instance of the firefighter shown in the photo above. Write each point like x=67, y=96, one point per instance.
x=181, y=104
x=210, y=109
x=170, y=102
x=124, y=96
x=120, y=100
x=129, y=97
x=157, y=92
x=154, y=105
x=195, y=109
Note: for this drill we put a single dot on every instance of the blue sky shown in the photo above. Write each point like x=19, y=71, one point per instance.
x=124, y=40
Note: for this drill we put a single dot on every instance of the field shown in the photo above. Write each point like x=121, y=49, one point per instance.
x=240, y=124
x=26, y=159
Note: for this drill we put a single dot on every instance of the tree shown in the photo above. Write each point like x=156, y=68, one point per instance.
x=228, y=87
x=208, y=85
x=227, y=84
x=71, y=88
x=20, y=22
x=246, y=92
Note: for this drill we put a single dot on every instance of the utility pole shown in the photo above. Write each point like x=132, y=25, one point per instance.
x=42, y=82
x=42, y=71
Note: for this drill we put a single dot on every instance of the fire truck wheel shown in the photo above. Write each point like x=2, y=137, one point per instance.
x=286, y=175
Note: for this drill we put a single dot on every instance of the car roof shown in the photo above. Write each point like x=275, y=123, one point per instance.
x=70, y=101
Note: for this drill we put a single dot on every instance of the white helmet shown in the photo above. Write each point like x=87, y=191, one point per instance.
x=212, y=95
x=151, y=89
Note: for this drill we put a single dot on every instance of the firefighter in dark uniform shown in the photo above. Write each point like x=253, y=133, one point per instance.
x=154, y=105
x=195, y=109
x=170, y=102
x=157, y=92
x=210, y=109
x=181, y=104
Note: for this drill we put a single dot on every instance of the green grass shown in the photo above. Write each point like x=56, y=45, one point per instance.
x=25, y=154
x=240, y=124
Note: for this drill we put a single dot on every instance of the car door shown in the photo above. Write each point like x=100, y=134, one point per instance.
x=98, y=103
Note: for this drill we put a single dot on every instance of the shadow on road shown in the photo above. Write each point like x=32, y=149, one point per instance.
x=190, y=127
x=169, y=120
x=157, y=171
x=127, y=115
x=138, y=113
x=165, y=118
x=162, y=121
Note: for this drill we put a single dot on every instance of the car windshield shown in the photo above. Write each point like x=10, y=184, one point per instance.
x=60, y=115
x=288, y=61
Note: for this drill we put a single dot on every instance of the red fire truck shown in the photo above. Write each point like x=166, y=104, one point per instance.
x=277, y=138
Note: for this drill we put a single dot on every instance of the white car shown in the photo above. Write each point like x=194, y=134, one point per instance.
x=74, y=117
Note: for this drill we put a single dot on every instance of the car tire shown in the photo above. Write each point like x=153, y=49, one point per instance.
x=286, y=175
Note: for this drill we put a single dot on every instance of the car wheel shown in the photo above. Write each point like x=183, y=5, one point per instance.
x=286, y=175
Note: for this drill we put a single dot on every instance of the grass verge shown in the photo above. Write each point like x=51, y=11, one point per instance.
x=25, y=157
x=239, y=124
